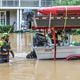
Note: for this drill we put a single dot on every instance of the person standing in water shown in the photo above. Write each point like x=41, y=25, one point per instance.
x=6, y=38
x=4, y=52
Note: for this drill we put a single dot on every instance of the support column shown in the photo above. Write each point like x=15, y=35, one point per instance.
x=5, y=17
x=39, y=3
x=18, y=19
x=19, y=3
x=54, y=38
x=0, y=3
x=60, y=1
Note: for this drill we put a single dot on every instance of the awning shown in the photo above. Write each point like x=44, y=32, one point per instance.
x=60, y=10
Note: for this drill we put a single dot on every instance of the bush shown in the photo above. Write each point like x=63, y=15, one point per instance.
x=7, y=28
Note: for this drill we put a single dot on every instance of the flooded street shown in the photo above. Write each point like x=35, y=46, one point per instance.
x=26, y=69
x=40, y=70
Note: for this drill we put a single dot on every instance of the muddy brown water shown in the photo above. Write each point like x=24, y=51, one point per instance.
x=27, y=69
x=21, y=42
x=40, y=70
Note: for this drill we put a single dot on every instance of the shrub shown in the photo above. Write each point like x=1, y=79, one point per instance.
x=7, y=28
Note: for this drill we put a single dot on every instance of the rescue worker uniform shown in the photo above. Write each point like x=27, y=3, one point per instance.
x=4, y=52
x=6, y=36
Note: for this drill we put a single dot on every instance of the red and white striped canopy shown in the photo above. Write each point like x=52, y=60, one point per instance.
x=56, y=10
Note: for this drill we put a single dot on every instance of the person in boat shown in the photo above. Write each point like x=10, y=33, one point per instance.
x=52, y=40
x=6, y=38
x=4, y=51
x=38, y=40
x=64, y=38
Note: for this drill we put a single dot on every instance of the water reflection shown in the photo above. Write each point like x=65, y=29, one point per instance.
x=61, y=70
x=21, y=42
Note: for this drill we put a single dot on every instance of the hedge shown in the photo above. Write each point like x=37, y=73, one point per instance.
x=6, y=28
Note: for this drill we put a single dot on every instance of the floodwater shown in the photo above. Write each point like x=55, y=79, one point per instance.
x=40, y=70
x=21, y=42
x=30, y=69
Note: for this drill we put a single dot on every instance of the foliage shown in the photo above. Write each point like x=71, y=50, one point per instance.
x=6, y=28
x=76, y=31
x=75, y=43
x=69, y=2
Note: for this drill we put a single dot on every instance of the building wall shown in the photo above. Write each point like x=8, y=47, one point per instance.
x=22, y=4
x=13, y=17
x=27, y=3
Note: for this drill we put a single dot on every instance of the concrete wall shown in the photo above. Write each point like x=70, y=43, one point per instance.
x=13, y=17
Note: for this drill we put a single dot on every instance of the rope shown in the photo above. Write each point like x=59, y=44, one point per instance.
x=11, y=27
x=34, y=20
x=9, y=30
x=65, y=21
x=49, y=21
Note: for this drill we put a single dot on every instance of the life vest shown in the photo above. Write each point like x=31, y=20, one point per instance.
x=1, y=43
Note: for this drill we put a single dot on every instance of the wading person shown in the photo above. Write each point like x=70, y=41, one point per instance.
x=4, y=51
x=6, y=37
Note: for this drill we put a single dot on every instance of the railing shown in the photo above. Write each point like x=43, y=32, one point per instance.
x=48, y=3
x=27, y=3
x=10, y=3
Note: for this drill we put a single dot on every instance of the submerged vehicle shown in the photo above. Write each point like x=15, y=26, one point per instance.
x=43, y=48
x=66, y=15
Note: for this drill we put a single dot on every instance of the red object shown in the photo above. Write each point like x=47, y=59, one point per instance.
x=72, y=56
x=56, y=10
x=54, y=38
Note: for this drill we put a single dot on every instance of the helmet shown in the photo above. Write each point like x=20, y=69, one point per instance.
x=5, y=35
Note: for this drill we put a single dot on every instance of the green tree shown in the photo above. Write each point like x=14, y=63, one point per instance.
x=69, y=2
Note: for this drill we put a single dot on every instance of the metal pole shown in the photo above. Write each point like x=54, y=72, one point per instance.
x=54, y=38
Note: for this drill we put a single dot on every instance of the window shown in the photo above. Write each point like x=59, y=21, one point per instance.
x=28, y=3
x=10, y=3
x=4, y=3
x=2, y=18
x=47, y=3
x=8, y=17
